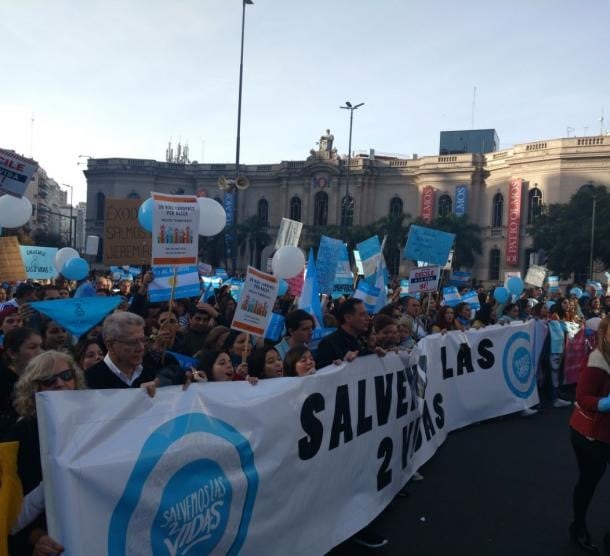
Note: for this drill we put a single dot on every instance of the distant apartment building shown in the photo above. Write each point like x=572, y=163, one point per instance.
x=475, y=141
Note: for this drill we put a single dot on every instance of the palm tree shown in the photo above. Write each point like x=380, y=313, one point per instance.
x=467, y=238
x=252, y=234
x=395, y=230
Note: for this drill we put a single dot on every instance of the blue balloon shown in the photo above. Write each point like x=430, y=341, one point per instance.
x=515, y=285
x=283, y=287
x=145, y=215
x=75, y=269
x=501, y=294
x=576, y=292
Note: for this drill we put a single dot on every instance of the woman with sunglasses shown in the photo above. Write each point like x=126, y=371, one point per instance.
x=49, y=371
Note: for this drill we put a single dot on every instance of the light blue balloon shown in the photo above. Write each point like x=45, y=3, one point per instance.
x=145, y=215
x=515, y=285
x=75, y=269
x=283, y=288
x=501, y=294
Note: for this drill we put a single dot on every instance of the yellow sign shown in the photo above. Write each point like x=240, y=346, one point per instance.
x=11, y=263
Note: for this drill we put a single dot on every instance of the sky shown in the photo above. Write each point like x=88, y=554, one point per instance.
x=118, y=78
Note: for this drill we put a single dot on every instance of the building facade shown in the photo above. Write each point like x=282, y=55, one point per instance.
x=502, y=192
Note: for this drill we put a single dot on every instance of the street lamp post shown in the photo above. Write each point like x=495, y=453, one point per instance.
x=71, y=211
x=346, y=205
x=238, y=138
x=592, y=239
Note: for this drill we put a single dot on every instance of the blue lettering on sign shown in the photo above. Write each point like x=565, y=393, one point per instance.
x=517, y=365
x=195, y=504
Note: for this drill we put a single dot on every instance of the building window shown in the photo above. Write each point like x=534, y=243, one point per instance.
x=497, y=211
x=347, y=211
x=320, y=210
x=494, y=264
x=395, y=207
x=263, y=212
x=295, y=209
x=100, y=206
x=133, y=195
x=534, y=205
x=444, y=205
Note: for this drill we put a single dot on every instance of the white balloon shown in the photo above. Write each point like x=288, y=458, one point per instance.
x=287, y=262
x=14, y=211
x=212, y=217
x=63, y=256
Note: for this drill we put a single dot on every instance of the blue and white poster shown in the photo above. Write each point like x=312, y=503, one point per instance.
x=461, y=200
x=344, y=278
x=326, y=263
x=186, y=283
x=39, y=262
x=428, y=245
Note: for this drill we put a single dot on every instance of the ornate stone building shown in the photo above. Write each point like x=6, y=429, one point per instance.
x=501, y=191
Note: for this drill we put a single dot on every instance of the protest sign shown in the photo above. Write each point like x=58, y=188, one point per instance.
x=344, y=277
x=289, y=233
x=256, y=302
x=509, y=275
x=185, y=282
x=428, y=245
x=553, y=284
x=424, y=279
x=39, y=262
x=125, y=241
x=404, y=287
x=535, y=276
x=15, y=172
x=175, y=235
x=156, y=476
x=205, y=269
x=78, y=315
x=11, y=262
x=295, y=284
x=326, y=263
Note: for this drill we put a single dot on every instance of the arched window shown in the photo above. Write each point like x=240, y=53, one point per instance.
x=347, y=211
x=534, y=205
x=133, y=195
x=295, y=209
x=263, y=212
x=494, y=264
x=444, y=205
x=100, y=211
x=497, y=210
x=396, y=207
x=320, y=209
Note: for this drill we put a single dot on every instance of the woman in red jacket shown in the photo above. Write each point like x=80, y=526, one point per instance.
x=590, y=430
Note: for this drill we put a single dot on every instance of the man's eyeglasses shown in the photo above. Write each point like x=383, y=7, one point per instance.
x=49, y=381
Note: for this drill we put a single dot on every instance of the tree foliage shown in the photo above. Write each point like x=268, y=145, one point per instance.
x=563, y=231
x=252, y=234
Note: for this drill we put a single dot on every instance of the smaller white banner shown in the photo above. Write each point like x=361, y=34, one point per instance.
x=256, y=302
x=535, y=276
x=424, y=279
x=289, y=233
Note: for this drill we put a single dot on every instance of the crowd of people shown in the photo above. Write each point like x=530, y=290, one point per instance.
x=151, y=345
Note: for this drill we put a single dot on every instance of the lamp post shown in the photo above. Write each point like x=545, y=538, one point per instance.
x=346, y=205
x=71, y=211
x=238, y=138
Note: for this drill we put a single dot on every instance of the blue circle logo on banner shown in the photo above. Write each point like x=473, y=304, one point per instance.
x=517, y=365
x=182, y=503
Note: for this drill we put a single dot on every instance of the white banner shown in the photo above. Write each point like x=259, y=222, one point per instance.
x=535, y=275
x=256, y=301
x=205, y=470
x=424, y=279
x=289, y=233
x=175, y=232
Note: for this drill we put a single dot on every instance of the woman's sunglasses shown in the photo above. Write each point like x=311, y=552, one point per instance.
x=49, y=381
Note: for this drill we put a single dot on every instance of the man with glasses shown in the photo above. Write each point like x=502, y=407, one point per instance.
x=123, y=334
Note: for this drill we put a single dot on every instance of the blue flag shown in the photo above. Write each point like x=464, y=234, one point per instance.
x=310, y=296
x=370, y=251
x=184, y=361
x=79, y=315
x=369, y=295
x=275, y=328
x=326, y=263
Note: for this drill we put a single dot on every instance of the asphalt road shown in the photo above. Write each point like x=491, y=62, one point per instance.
x=498, y=488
